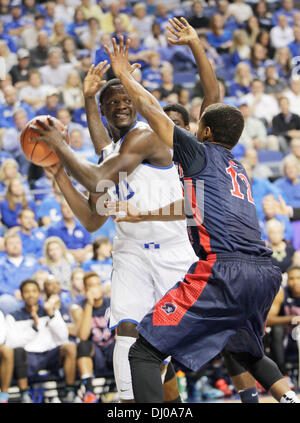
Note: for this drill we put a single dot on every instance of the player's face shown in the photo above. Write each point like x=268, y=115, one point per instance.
x=118, y=108
x=294, y=282
x=176, y=118
x=30, y=294
x=203, y=132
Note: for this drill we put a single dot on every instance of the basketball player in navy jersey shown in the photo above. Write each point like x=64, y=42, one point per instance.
x=224, y=299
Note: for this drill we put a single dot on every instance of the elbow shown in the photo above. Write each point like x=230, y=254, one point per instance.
x=83, y=336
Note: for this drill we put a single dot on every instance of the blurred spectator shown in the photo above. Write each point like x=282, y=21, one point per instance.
x=15, y=200
x=156, y=39
x=230, y=23
x=284, y=315
x=289, y=184
x=84, y=59
x=91, y=38
x=52, y=103
x=31, y=235
x=40, y=277
x=34, y=94
x=252, y=28
x=64, y=11
x=285, y=125
x=55, y=73
x=294, y=45
x=151, y=76
x=162, y=14
x=263, y=15
x=84, y=151
x=287, y=9
x=9, y=170
x=18, y=23
x=69, y=52
x=78, y=26
x=141, y=22
x=293, y=94
x=263, y=38
x=11, y=140
x=254, y=134
x=39, y=337
x=101, y=262
x=219, y=37
x=49, y=210
x=76, y=238
x=64, y=115
x=107, y=24
x=77, y=285
x=196, y=18
x=58, y=34
x=258, y=170
x=274, y=84
x=283, y=62
x=184, y=97
x=168, y=86
x=282, y=251
x=240, y=11
x=242, y=80
x=258, y=61
x=269, y=212
x=295, y=149
x=30, y=35
x=43, y=185
x=281, y=34
x=19, y=72
x=261, y=106
x=8, y=39
x=58, y=260
x=95, y=350
x=72, y=91
x=39, y=54
x=240, y=49
x=91, y=10
x=9, y=57
x=14, y=267
x=6, y=363
x=100, y=53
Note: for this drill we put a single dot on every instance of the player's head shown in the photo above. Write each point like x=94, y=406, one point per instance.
x=116, y=105
x=294, y=280
x=178, y=114
x=222, y=124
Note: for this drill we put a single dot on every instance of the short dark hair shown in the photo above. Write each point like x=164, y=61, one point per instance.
x=89, y=275
x=293, y=267
x=226, y=123
x=26, y=282
x=176, y=107
x=111, y=83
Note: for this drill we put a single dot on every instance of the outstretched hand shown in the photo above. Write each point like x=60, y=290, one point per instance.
x=184, y=32
x=49, y=134
x=119, y=58
x=94, y=79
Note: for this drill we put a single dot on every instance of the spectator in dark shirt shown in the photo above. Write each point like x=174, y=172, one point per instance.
x=20, y=72
x=282, y=251
x=285, y=125
x=273, y=83
x=39, y=55
x=196, y=19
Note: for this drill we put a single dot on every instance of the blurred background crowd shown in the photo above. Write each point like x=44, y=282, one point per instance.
x=48, y=47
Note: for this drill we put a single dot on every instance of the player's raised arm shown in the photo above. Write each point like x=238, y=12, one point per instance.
x=145, y=103
x=91, y=86
x=186, y=35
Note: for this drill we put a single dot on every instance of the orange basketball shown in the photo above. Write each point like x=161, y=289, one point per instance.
x=37, y=152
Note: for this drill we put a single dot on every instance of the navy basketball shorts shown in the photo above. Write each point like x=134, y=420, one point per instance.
x=48, y=360
x=222, y=302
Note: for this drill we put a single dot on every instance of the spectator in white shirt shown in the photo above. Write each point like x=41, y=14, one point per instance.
x=240, y=11
x=72, y=91
x=141, y=21
x=56, y=72
x=293, y=94
x=35, y=93
x=262, y=106
x=29, y=35
x=282, y=34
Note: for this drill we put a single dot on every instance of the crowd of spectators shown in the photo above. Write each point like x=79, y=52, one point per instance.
x=48, y=47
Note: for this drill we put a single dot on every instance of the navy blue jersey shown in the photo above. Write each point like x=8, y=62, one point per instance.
x=221, y=214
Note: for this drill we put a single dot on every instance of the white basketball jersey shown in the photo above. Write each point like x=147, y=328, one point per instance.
x=149, y=188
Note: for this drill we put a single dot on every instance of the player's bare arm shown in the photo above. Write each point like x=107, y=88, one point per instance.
x=140, y=145
x=187, y=35
x=273, y=318
x=131, y=214
x=83, y=207
x=91, y=86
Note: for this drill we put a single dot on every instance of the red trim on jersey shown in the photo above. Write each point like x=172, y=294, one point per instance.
x=170, y=310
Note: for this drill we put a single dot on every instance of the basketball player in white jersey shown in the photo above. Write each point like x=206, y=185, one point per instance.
x=148, y=256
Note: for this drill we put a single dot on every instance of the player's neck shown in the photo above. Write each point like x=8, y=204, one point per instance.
x=118, y=133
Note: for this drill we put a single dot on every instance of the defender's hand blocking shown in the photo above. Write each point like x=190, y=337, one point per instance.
x=49, y=134
x=119, y=58
x=94, y=79
x=183, y=31
x=129, y=212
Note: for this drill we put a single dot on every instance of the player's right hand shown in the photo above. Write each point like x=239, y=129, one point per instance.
x=123, y=211
x=184, y=32
x=94, y=79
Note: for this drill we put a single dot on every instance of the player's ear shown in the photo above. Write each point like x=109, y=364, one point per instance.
x=208, y=133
